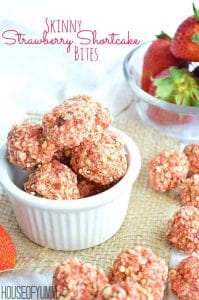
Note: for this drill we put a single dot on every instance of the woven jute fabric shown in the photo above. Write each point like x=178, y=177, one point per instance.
x=145, y=223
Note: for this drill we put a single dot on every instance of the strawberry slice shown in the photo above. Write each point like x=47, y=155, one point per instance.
x=185, y=44
x=7, y=251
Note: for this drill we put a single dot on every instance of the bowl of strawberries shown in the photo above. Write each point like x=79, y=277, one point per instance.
x=164, y=78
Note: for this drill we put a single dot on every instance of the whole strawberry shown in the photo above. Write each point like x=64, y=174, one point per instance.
x=177, y=86
x=7, y=251
x=157, y=58
x=185, y=44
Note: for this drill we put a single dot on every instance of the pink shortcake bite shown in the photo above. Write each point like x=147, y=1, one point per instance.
x=53, y=181
x=184, y=278
x=183, y=229
x=27, y=147
x=102, y=161
x=140, y=265
x=77, y=118
x=167, y=170
x=76, y=280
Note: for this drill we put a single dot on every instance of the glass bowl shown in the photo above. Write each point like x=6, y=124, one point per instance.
x=181, y=122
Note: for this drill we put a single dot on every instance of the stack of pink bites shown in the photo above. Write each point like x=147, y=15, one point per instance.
x=50, y=151
x=169, y=170
x=183, y=228
x=136, y=274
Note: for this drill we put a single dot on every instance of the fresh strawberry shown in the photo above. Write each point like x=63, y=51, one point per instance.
x=185, y=44
x=7, y=251
x=176, y=86
x=164, y=117
x=157, y=58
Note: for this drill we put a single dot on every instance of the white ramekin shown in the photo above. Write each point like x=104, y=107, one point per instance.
x=70, y=224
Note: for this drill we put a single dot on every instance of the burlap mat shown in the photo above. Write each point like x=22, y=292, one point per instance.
x=145, y=222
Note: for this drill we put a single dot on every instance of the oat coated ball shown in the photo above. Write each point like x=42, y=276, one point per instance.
x=53, y=181
x=183, y=229
x=189, y=191
x=76, y=280
x=184, y=278
x=77, y=118
x=192, y=152
x=103, y=161
x=167, y=170
x=140, y=265
x=27, y=147
x=89, y=188
x=124, y=291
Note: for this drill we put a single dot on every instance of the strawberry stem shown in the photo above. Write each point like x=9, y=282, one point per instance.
x=163, y=35
x=178, y=87
x=196, y=12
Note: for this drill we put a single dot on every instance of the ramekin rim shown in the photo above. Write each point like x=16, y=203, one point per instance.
x=78, y=204
x=191, y=110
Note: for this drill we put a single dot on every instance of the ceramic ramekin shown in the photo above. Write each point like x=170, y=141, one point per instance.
x=70, y=224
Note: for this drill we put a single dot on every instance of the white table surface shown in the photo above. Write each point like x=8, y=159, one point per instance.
x=37, y=78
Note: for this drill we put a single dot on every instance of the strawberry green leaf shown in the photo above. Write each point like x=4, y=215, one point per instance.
x=176, y=73
x=195, y=95
x=163, y=35
x=179, y=86
x=195, y=104
x=196, y=12
x=164, y=86
x=186, y=101
x=178, y=99
x=195, y=37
